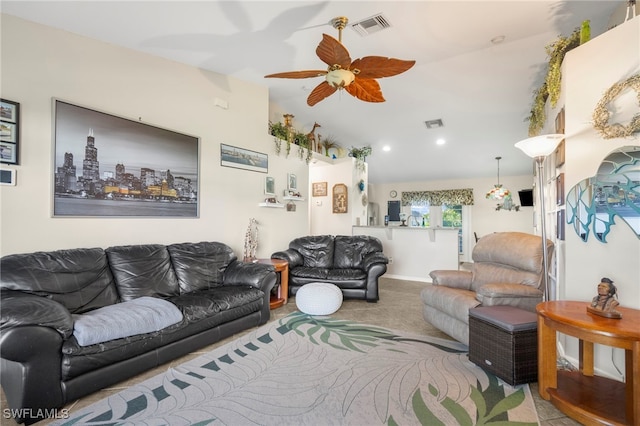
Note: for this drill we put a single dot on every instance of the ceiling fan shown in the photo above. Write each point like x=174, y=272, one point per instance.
x=357, y=77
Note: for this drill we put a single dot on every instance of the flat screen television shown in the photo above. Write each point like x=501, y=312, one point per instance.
x=526, y=197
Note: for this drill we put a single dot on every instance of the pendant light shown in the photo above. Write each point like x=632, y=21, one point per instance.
x=498, y=192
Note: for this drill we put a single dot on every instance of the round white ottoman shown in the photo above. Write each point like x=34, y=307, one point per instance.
x=318, y=298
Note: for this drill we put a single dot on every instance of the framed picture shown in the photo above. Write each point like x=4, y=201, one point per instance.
x=292, y=182
x=560, y=189
x=9, y=131
x=560, y=225
x=560, y=154
x=560, y=121
x=240, y=158
x=319, y=189
x=9, y=152
x=269, y=186
x=8, y=177
x=106, y=165
x=340, y=198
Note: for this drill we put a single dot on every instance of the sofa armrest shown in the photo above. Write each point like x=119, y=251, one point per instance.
x=292, y=256
x=31, y=374
x=373, y=258
x=517, y=295
x=258, y=275
x=451, y=278
x=23, y=309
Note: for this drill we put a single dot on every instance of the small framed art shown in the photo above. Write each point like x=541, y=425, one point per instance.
x=9, y=131
x=319, y=189
x=7, y=177
x=340, y=198
x=269, y=186
x=292, y=182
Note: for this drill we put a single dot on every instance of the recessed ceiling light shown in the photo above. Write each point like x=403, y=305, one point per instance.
x=441, y=141
x=386, y=148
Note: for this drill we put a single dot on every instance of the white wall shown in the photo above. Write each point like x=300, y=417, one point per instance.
x=590, y=71
x=39, y=63
x=323, y=220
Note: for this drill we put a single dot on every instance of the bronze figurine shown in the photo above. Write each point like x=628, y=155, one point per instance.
x=605, y=303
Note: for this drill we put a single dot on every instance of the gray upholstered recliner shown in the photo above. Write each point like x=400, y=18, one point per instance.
x=507, y=270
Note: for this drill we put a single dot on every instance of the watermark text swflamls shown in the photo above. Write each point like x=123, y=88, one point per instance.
x=35, y=413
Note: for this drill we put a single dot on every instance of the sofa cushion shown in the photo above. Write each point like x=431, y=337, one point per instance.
x=138, y=316
x=350, y=250
x=452, y=301
x=317, y=251
x=524, y=250
x=201, y=312
x=143, y=270
x=200, y=266
x=201, y=304
x=346, y=275
x=79, y=279
x=314, y=273
x=488, y=273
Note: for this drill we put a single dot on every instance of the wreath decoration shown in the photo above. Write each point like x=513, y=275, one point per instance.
x=601, y=114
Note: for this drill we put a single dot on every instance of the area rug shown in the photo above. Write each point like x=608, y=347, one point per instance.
x=305, y=370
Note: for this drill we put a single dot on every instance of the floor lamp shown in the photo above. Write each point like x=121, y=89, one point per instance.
x=538, y=148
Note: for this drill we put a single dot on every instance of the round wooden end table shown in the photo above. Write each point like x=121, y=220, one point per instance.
x=282, y=268
x=587, y=398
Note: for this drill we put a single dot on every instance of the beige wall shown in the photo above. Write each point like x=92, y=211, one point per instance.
x=40, y=63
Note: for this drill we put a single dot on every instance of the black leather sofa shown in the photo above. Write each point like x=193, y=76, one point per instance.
x=353, y=263
x=43, y=366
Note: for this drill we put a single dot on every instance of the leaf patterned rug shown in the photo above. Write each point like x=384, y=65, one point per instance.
x=305, y=370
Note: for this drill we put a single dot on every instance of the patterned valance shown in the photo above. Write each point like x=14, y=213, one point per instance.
x=438, y=198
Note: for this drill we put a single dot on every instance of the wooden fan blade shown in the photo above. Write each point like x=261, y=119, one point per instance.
x=378, y=66
x=365, y=89
x=321, y=91
x=298, y=74
x=332, y=52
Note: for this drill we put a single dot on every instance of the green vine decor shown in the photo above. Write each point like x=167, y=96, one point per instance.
x=601, y=114
x=550, y=89
x=280, y=133
x=360, y=154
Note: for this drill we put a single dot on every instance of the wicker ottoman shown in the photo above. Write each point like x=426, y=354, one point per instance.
x=504, y=341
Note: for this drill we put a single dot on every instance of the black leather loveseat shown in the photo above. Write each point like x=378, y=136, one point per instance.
x=353, y=263
x=47, y=296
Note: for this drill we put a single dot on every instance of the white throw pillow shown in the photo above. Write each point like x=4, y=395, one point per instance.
x=139, y=316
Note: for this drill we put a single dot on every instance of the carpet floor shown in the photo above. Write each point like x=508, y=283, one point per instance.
x=399, y=308
x=310, y=370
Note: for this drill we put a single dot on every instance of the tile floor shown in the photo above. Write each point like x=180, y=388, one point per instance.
x=399, y=308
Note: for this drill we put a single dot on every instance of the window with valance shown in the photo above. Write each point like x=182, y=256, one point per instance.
x=462, y=197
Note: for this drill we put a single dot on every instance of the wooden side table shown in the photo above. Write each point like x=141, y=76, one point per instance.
x=282, y=267
x=589, y=399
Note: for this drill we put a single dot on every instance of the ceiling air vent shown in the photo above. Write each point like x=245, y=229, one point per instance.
x=371, y=25
x=434, y=124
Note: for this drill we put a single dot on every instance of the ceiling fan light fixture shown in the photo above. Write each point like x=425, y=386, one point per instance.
x=358, y=77
x=340, y=78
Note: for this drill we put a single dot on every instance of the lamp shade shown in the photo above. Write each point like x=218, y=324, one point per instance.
x=540, y=146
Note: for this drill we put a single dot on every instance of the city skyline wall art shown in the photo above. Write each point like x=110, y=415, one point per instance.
x=109, y=166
